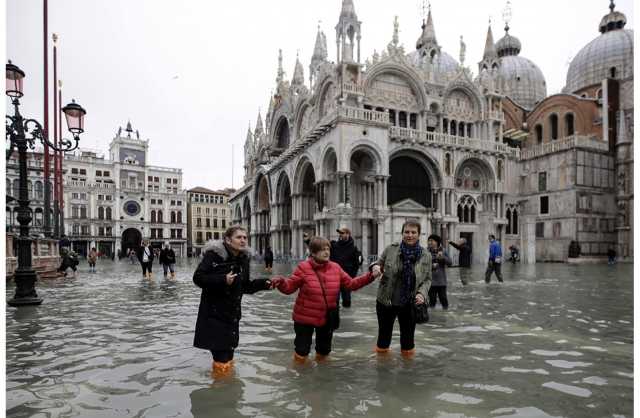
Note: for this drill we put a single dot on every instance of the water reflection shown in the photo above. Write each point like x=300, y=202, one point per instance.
x=552, y=341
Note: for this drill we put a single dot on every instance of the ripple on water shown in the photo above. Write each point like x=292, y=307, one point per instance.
x=548, y=353
x=526, y=412
x=479, y=346
x=517, y=370
x=488, y=388
x=594, y=380
x=568, y=389
x=458, y=398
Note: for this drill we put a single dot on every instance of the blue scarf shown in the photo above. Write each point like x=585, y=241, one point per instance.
x=410, y=255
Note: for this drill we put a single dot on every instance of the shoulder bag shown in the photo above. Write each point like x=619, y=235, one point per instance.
x=333, y=315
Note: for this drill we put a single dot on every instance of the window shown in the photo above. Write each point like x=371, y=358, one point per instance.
x=105, y=174
x=179, y=218
x=85, y=230
x=168, y=181
x=542, y=181
x=156, y=180
x=74, y=171
x=207, y=211
x=83, y=172
x=101, y=231
x=175, y=181
x=216, y=235
x=98, y=174
x=83, y=212
x=539, y=229
x=75, y=212
x=83, y=196
x=173, y=233
x=179, y=202
x=173, y=203
x=208, y=222
x=198, y=210
x=215, y=223
x=179, y=233
x=557, y=229
x=199, y=222
x=612, y=72
x=500, y=170
x=153, y=201
x=38, y=217
x=39, y=190
x=108, y=214
x=173, y=217
x=553, y=121
x=75, y=195
x=199, y=237
x=159, y=233
x=209, y=236
x=215, y=212
x=153, y=233
x=159, y=201
x=160, y=217
x=108, y=198
x=568, y=124
x=544, y=205
x=100, y=197
x=224, y=223
x=108, y=231
x=76, y=229
x=101, y=213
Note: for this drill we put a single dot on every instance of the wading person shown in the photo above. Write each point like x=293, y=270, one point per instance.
x=406, y=277
x=145, y=256
x=495, y=260
x=464, y=258
x=319, y=281
x=346, y=254
x=439, y=261
x=69, y=261
x=91, y=259
x=168, y=260
x=223, y=276
x=268, y=259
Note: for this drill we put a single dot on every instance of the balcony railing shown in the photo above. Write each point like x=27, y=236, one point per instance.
x=352, y=88
x=436, y=138
x=574, y=141
x=496, y=114
x=364, y=115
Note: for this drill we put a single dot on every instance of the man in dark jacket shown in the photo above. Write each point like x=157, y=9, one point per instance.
x=464, y=258
x=268, y=259
x=168, y=260
x=223, y=276
x=346, y=254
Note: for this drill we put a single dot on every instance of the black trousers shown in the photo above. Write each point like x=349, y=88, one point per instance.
x=493, y=267
x=304, y=336
x=146, y=266
x=268, y=264
x=439, y=292
x=345, y=295
x=387, y=317
x=222, y=356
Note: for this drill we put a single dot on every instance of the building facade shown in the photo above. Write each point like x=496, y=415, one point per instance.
x=414, y=135
x=113, y=203
x=35, y=188
x=208, y=216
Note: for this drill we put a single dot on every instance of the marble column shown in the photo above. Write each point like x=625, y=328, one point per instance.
x=365, y=239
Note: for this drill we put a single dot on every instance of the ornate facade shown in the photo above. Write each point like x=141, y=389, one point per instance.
x=414, y=135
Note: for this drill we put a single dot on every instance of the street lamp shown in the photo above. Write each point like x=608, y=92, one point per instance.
x=22, y=133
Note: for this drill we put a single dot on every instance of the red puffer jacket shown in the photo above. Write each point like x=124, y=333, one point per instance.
x=310, y=308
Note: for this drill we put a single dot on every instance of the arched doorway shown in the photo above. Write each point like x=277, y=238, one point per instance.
x=284, y=203
x=409, y=180
x=131, y=238
x=263, y=221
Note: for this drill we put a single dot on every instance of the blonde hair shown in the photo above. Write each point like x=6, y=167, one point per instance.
x=318, y=244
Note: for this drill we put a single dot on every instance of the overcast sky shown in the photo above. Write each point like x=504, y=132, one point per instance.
x=192, y=74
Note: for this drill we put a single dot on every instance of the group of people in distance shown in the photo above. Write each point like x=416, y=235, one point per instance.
x=404, y=271
x=145, y=255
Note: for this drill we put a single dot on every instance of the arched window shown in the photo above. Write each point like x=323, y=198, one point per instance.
x=539, y=134
x=447, y=164
x=100, y=212
x=179, y=217
x=30, y=189
x=445, y=125
x=153, y=216
x=461, y=129
x=173, y=217
x=568, y=124
x=467, y=209
x=9, y=215
x=612, y=72
x=108, y=214
x=39, y=190
x=553, y=121
x=160, y=217
x=453, y=129
x=500, y=170
x=38, y=217
x=508, y=231
x=9, y=191
x=514, y=224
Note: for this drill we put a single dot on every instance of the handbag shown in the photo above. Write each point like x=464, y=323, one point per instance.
x=421, y=313
x=332, y=317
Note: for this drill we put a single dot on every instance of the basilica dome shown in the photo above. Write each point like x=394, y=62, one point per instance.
x=518, y=77
x=610, y=55
x=441, y=64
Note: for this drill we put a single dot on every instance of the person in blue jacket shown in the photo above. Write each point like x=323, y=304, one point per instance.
x=495, y=260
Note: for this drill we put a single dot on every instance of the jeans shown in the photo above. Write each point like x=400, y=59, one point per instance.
x=304, y=335
x=493, y=267
x=168, y=267
x=387, y=317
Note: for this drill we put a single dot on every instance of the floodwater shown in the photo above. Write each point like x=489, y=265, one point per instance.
x=554, y=340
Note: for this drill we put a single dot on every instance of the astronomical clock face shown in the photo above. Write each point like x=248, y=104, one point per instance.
x=460, y=106
x=131, y=208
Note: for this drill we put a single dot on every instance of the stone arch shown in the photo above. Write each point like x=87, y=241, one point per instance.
x=410, y=76
x=237, y=214
x=131, y=239
x=325, y=102
x=305, y=187
x=281, y=134
x=369, y=148
x=328, y=162
x=479, y=171
x=569, y=124
x=304, y=119
x=467, y=209
x=262, y=194
x=429, y=162
x=413, y=175
x=304, y=164
x=468, y=90
x=284, y=214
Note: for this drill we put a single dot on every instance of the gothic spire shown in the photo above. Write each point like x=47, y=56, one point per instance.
x=428, y=36
x=489, y=46
x=280, y=77
x=298, y=73
x=259, y=126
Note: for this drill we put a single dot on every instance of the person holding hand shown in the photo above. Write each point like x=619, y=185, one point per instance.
x=223, y=276
x=318, y=281
x=406, y=277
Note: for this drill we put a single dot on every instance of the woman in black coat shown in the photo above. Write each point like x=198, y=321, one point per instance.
x=223, y=275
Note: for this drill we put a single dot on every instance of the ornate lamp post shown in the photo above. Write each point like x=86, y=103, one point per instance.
x=22, y=133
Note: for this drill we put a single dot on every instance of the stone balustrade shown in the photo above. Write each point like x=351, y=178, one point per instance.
x=496, y=115
x=441, y=139
x=364, y=115
x=352, y=88
x=582, y=141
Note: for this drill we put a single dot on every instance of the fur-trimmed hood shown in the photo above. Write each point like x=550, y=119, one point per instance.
x=218, y=247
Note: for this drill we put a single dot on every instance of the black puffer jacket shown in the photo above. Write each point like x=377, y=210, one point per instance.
x=217, y=326
x=347, y=255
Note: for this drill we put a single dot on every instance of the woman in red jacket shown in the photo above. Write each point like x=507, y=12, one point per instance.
x=319, y=281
